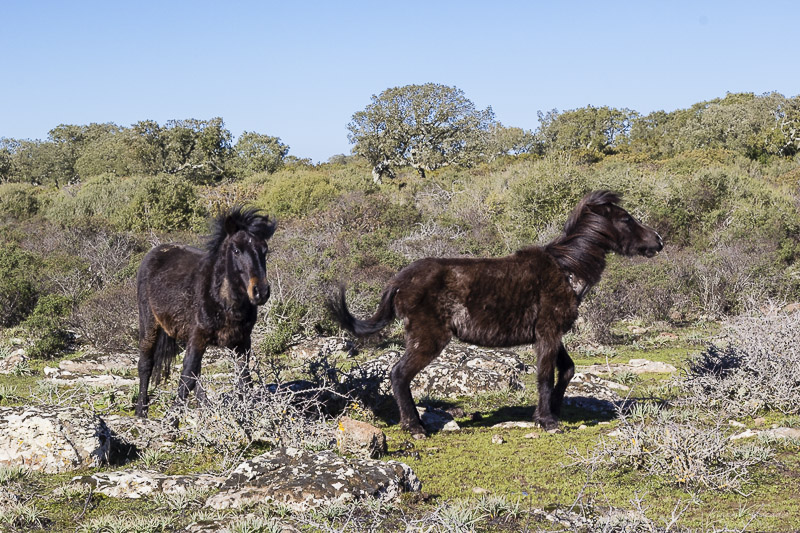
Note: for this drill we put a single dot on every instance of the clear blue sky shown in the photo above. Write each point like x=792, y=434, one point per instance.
x=299, y=70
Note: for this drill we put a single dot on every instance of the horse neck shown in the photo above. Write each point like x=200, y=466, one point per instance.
x=224, y=293
x=581, y=257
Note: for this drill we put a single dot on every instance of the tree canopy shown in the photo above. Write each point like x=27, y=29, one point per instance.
x=199, y=150
x=425, y=127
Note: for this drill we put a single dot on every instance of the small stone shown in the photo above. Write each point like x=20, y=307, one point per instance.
x=582, y=427
x=360, y=439
x=530, y=436
x=736, y=424
x=760, y=421
x=497, y=439
x=479, y=490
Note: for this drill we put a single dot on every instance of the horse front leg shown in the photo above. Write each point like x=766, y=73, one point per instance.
x=242, y=362
x=145, y=368
x=190, y=371
x=566, y=370
x=547, y=349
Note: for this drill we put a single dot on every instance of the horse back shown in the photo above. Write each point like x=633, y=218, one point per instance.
x=167, y=287
x=488, y=301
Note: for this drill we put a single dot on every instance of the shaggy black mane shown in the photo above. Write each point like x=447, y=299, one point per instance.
x=588, y=235
x=238, y=218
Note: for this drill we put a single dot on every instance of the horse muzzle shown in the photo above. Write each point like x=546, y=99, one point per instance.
x=258, y=291
x=652, y=249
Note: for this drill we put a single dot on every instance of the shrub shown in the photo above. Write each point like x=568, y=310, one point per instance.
x=679, y=449
x=296, y=191
x=641, y=288
x=18, y=201
x=107, y=319
x=47, y=325
x=104, y=198
x=164, y=203
x=18, y=283
x=758, y=370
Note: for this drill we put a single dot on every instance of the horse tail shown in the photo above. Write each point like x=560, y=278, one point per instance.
x=363, y=328
x=163, y=356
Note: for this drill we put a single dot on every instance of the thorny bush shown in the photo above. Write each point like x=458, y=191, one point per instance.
x=757, y=369
x=680, y=448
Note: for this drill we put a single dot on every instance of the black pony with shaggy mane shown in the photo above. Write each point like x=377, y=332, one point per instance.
x=531, y=296
x=201, y=298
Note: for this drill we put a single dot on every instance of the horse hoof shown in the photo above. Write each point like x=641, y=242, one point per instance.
x=548, y=424
x=419, y=436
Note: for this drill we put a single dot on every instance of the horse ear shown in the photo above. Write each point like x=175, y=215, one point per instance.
x=600, y=209
x=271, y=227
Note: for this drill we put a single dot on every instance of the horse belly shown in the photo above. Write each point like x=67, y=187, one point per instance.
x=510, y=328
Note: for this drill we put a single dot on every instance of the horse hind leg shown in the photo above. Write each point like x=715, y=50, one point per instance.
x=147, y=346
x=566, y=370
x=420, y=351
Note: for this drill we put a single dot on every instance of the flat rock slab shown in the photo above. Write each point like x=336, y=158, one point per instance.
x=304, y=480
x=66, y=377
x=775, y=433
x=52, y=439
x=460, y=370
x=635, y=366
x=138, y=483
x=17, y=359
x=94, y=363
x=318, y=347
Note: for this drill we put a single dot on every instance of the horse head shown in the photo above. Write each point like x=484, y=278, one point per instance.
x=242, y=235
x=599, y=213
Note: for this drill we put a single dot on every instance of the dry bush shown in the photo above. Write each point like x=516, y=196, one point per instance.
x=108, y=319
x=759, y=369
x=680, y=448
x=232, y=418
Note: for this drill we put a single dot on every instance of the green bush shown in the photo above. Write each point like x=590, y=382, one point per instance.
x=103, y=197
x=158, y=203
x=164, y=203
x=296, y=191
x=18, y=201
x=18, y=283
x=47, y=325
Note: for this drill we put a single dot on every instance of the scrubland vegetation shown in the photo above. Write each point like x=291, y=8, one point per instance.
x=720, y=181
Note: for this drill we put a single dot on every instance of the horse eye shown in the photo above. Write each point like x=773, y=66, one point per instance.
x=236, y=251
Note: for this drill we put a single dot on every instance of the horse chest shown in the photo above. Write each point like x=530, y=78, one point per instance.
x=229, y=332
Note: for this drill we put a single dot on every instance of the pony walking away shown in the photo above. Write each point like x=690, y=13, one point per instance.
x=201, y=298
x=531, y=296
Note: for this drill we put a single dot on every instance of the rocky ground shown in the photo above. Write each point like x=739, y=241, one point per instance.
x=346, y=464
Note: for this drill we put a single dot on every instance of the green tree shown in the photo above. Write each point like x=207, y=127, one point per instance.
x=596, y=129
x=753, y=125
x=255, y=152
x=511, y=141
x=103, y=151
x=8, y=147
x=147, y=147
x=198, y=149
x=422, y=126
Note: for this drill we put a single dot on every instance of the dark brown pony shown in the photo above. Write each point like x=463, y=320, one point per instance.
x=201, y=298
x=529, y=297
